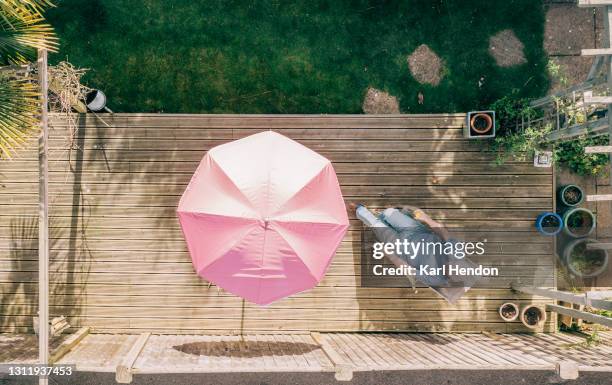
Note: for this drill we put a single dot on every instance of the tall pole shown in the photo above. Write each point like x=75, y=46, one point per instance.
x=608, y=37
x=43, y=219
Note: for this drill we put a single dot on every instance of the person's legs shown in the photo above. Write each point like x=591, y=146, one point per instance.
x=367, y=217
x=398, y=220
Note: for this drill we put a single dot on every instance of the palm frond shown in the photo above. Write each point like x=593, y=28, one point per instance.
x=23, y=9
x=19, y=110
x=23, y=31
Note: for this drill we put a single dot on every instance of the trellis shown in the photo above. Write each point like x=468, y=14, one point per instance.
x=590, y=101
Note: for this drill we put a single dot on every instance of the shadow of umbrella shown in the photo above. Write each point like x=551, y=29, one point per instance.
x=249, y=349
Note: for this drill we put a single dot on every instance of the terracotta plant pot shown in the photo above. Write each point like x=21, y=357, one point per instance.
x=533, y=316
x=509, y=311
x=582, y=262
x=481, y=123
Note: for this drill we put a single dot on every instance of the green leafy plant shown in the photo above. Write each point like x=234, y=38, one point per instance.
x=521, y=145
x=571, y=154
x=519, y=139
x=22, y=32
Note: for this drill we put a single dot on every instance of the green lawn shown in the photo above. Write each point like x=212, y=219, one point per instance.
x=310, y=56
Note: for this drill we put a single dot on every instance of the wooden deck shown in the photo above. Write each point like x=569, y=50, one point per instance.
x=119, y=261
x=342, y=353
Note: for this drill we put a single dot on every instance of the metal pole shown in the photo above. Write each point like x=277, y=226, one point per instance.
x=43, y=220
x=607, y=22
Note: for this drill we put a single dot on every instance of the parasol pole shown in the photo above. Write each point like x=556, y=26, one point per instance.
x=43, y=219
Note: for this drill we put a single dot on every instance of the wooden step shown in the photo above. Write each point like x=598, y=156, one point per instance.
x=598, y=99
x=599, y=246
x=596, y=52
x=593, y=3
x=598, y=150
x=599, y=198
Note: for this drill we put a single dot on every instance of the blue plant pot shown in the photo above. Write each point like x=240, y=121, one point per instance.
x=547, y=230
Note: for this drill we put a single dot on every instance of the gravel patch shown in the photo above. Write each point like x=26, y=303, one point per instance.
x=507, y=49
x=425, y=66
x=380, y=102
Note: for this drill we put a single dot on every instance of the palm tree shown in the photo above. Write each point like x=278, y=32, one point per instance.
x=22, y=31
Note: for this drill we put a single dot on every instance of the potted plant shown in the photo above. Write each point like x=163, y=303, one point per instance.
x=585, y=262
x=578, y=222
x=480, y=124
x=571, y=195
x=533, y=316
x=549, y=223
x=509, y=311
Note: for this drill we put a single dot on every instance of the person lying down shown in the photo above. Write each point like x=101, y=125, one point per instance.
x=412, y=225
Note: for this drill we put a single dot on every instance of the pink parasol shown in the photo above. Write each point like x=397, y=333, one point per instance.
x=263, y=217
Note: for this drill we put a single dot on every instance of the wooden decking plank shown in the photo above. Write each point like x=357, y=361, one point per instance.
x=283, y=351
x=398, y=357
x=300, y=349
x=490, y=345
x=330, y=343
x=279, y=354
x=218, y=356
x=318, y=352
x=395, y=343
x=441, y=353
x=224, y=357
x=465, y=346
x=453, y=344
x=123, y=373
x=205, y=348
x=236, y=347
x=368, y=350
x=592, y=353
x=336, y=355
x=254, y=352
x=530, y=354
x=423, y=348
x=349, y=344
x=374, y=345
x=564, y=352
x=270, y=360
x=538, y=351
x=604, y=344
x=292, y=350
x=483, y=345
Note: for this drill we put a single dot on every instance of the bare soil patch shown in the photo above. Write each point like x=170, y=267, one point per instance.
x=569, y=29
x=507, y=49
x=425, y=66
x=380, y=102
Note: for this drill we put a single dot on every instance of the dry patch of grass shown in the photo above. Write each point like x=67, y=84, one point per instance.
x=380, y=102
x=425, y=66
x=507, y=49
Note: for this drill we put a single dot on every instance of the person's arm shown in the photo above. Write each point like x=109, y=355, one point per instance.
x=420, y=216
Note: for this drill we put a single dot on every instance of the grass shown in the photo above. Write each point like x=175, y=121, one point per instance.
x=311, y=56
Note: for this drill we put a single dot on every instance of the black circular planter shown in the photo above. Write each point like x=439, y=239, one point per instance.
x=578, y=222
x=509, y=311
x=571, y=195
x=584, y=262
x=533, y=316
